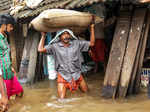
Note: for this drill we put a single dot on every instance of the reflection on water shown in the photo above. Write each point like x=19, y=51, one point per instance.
x=40, y=98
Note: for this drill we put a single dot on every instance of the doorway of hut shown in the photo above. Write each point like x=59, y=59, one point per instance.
x=145, y=72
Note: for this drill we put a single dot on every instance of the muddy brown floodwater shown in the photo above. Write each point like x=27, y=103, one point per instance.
x=40, y=98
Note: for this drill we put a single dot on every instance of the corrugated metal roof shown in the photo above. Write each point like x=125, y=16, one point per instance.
x=49, y=4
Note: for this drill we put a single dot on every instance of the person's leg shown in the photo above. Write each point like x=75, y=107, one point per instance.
x=61, y=90
x=83, y=86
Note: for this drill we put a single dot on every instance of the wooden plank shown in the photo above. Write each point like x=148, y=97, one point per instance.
x=136, y=63
x=138, y=76
x=116, y=56
x=25, y=57
x=133, y=84
x=132, y=45
x=33, y=58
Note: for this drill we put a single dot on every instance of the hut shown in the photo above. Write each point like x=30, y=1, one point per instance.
x=28, y=61
x=24, y=44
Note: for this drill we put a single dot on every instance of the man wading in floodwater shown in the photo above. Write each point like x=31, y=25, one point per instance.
x=66, y=49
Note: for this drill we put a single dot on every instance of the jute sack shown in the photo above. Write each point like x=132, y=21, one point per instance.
x=53, y=20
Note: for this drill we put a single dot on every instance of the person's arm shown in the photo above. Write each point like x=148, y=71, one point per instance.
x=42, y=42
x=92, y=35
x=85, y=45
x=4, y=98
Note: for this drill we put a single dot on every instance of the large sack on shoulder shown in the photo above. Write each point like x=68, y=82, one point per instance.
x=53, y=20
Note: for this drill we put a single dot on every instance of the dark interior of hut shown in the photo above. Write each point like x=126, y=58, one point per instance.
x=147, y=54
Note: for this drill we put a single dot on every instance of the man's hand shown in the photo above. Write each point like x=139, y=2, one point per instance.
x=93, y=19
x=42, y=42
x=144, y=1
x=4, y=104
x=92, y=35
x=92, y=25
x=43, y=34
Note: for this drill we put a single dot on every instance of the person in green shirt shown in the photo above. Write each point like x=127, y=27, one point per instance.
x=6, y=71
x=4, y=98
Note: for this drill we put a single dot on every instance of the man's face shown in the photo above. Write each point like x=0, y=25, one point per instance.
x=9, y=27
x=65, y=37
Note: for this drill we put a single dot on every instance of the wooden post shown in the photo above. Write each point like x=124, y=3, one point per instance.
x=13, y=51
x=116, y=55
x=33, y=58
x=131, y=50
x=25, y=57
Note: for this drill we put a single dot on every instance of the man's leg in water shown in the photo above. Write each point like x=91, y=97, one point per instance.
x=61, y=90
x=83, y=86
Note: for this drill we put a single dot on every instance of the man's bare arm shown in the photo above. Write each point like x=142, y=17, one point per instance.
x=92, y=35
x=42, y=42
